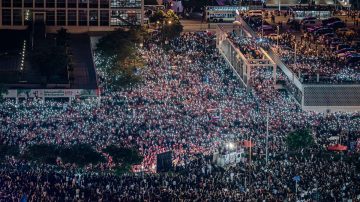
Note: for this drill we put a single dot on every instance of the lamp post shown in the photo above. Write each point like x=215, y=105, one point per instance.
x=277, y=38
x=279, y=2
x=295, y=53
x=267, y=137
x=262, y=26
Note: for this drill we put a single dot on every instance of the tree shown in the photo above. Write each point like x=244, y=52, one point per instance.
x=3, y=90
x=44, y=153
x=8, y=150
x=171, y=26
x=117, y=56
x=122, y=155
x=49, y=59
x=80, y=154
x=300, y=139
x=158, y=16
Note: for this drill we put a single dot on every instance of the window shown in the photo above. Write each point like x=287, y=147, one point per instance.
x=61, y=19
x=50, y=3
x=122, y=17
x=17, y=3
x=83, y=3
x=104, y=3
x=6, y=17
x=17, y=17
x=93, y=18
x=28, y=3
x=125, y=3
x=83, y=17
x=71, y=3
x=72, y=17
x=50, y=17
x=93, y=3
x=39, y=3
x=104, y=18
x=6, y=3
x=61, y=3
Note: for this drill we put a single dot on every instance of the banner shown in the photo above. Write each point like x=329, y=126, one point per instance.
x=51, y=93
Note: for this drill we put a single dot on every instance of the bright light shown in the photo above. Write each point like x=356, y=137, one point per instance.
x=169, y=22
x=231, y=145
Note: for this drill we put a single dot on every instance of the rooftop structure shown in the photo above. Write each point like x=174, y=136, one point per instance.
x=75, y=16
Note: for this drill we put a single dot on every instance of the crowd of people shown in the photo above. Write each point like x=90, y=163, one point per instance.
x=310, y=60
x=190, y=103
x=248, y=46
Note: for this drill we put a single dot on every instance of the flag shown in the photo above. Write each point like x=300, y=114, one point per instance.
x=296, y=178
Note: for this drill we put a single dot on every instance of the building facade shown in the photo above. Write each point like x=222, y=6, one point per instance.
x=74, y=15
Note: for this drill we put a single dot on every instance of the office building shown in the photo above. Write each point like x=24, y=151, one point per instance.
x=74, y=15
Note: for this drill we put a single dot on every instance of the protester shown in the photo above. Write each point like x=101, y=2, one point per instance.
x=189, y=102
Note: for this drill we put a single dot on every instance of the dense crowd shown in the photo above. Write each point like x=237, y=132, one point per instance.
x=309, y=59
x=189, y=102
x=248, y=47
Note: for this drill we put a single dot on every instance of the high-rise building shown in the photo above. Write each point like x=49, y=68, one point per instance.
x=74, y=15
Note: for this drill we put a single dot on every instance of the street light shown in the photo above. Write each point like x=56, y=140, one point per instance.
x=277, y=38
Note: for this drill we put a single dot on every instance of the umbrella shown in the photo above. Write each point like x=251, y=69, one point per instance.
x=337, y=147
x=248, y=144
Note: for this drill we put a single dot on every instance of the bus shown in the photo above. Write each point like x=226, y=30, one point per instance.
x=222, y=13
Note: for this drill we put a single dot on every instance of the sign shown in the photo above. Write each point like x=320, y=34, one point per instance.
x=51, y=93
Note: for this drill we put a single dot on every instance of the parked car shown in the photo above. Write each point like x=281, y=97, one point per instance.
x=345, y=54
x=310, y=23
x=313, y=29
x=330, y=20
x=342, y=46
x=322, y=31
x=307, y=18
x=344, y=50
x=353, y=58
x=336, y=25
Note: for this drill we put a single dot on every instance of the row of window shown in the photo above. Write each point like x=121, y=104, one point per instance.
x=72, y=3
x=96, y=17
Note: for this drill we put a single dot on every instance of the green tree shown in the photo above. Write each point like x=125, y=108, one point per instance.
x=45, y=153
x=122, y=155
x=81, y=154
x=119, y=58
x=300, y=139
x=159, y=15
x=49, y=59
x=8, y=150
x=171, y=26
x=3, y=90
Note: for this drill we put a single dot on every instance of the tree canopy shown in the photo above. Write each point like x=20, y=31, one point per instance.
x=117, y=55
x=80, y=154
x=300, y=139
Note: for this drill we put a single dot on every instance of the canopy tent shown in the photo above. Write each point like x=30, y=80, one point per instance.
x=337, y=147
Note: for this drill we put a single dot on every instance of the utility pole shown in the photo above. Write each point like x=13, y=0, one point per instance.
x=267, y=137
